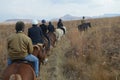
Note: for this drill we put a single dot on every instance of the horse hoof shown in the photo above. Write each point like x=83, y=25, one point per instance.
x=45, y=61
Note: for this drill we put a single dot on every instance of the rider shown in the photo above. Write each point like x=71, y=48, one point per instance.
x=35, y=33
x=83, y=20
x=60, y=25
x=51, y=27
x=44, y=30
x=20, y=47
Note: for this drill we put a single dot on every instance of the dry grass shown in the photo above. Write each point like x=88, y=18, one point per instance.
x=93, y=55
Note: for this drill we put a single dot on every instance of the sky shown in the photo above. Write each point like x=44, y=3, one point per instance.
x=49, y=9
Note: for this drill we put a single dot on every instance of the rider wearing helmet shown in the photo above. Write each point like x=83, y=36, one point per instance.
x=83, y=20
x=20, y=47
x=60, y=25
x=51, y=27
x=35, y=33
x=44, y=30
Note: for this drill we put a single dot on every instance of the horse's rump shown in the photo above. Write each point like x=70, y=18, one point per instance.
x=19, y=71
x=59, y=32
x=64, y=29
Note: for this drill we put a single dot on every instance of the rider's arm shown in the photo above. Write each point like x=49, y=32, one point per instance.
x=30, y=46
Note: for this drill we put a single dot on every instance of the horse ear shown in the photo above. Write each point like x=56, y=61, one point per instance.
x=41, y=45
x=36, y=47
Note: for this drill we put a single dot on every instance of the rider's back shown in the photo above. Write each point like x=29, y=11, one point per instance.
x=18, y=45
x=35, y=33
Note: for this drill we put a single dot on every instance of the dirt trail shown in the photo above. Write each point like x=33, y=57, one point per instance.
x=53, y=70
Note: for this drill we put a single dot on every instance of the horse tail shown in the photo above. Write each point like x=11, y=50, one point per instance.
x=15, y=77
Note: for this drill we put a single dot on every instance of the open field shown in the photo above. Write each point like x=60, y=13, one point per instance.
x=90, y=55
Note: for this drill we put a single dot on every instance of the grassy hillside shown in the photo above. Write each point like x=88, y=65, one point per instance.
x=95, y=54
x=90, y=55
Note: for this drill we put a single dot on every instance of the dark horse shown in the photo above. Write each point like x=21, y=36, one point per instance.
x=52, y=38
x=23, y=70
x=84, y=26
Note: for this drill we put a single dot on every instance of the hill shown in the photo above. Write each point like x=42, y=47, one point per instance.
x=15, y=20
x=66, y=17
x=69, y=17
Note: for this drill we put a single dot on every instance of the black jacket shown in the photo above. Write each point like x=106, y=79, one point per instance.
x=51, y=28
x=59, y=24
x=35, y=33
x=44, y=28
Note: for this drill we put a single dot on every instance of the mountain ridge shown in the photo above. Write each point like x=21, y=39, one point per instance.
x=66, y=17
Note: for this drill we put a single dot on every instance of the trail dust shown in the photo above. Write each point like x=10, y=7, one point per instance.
x=53, y=70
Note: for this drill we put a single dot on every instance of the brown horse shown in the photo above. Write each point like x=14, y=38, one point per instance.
x=22, y=71
x=40, y=52
x=19, y=71
x=52, y=38
x=46, y=44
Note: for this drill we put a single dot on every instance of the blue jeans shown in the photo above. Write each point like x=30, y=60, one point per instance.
x=33, y=59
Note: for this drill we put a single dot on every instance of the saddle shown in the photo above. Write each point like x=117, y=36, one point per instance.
x=22, y=61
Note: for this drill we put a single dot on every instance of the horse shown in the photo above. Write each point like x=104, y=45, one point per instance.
x=19, y=71
x=23, y=70
x=40, y=53
x=84, y=26
x=52, y=38
x=60, y=32
x=46, y=45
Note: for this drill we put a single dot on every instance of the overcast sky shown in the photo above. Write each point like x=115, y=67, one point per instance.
x=48, y=9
